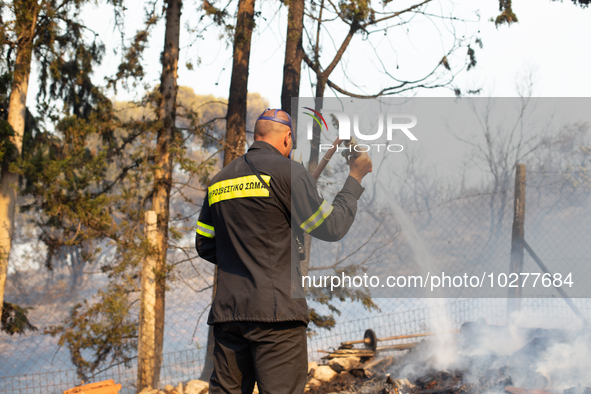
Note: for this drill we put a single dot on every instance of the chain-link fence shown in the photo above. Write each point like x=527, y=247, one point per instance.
x=468, y=228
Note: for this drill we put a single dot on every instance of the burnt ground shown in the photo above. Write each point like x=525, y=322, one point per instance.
x=475, y=371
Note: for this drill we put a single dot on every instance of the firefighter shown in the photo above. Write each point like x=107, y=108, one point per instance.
x=245, y=227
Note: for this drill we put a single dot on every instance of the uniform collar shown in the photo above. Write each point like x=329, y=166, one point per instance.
x=264, y=146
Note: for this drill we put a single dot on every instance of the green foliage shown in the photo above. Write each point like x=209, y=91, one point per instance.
x=5, y=82
x=90, y=182
x=131, y=66
x=6, y=145
x=357, y=12
x=100, y=332
x=325, y=297
x=221, y=18
x=69, y=79
x=6, y=130
x=64, y=48
x=15, y=320
x=322, y=321
x=218, y=15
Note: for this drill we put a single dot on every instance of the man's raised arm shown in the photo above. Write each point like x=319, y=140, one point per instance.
x=319, y=218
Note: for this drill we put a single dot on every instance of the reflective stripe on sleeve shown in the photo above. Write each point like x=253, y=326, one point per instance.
x=205, y=230
x=318, y=217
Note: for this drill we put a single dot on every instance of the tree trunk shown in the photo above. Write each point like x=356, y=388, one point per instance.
x=26, y=20
x=293, y=54
x=236, y=116
x=313, y=163
x=315, y=145
x=164, y=164
x=293, y=59
x=235, y=121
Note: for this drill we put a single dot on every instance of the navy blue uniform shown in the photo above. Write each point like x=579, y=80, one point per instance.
x=248, y=233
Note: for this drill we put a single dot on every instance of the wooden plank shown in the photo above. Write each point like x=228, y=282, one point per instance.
x=401, y=346
x=349, y=353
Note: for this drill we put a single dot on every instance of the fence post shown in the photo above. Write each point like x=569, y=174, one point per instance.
x=514, y=300
x=147, y=331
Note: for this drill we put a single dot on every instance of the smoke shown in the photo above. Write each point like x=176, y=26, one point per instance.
x=533, y=352
x=491, y=357
x=567, y=364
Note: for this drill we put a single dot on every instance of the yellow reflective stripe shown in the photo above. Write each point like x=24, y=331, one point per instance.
x=205, y=229
x=318, y=217
x=313, y=217
x=245, y=186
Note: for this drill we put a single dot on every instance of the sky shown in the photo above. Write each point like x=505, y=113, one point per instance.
x=547, y=43
x=547, y=46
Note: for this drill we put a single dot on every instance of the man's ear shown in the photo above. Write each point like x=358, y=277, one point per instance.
x=286, y=139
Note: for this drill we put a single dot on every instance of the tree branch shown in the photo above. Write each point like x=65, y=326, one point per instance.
x=326, y=73
x=394, y=15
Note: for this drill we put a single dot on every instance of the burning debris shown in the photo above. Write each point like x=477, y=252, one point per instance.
x=477, y=359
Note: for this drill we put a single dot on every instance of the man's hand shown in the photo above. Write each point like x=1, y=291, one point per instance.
x=360, y=166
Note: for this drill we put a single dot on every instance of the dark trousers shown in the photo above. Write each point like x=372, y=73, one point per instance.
x=272, y=354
